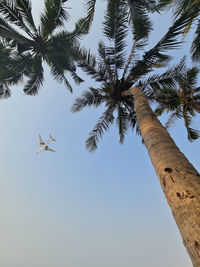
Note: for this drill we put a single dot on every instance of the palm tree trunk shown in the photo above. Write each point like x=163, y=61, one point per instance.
x=179, y=180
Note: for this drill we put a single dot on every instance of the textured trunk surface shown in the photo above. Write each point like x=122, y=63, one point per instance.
x=179, y=180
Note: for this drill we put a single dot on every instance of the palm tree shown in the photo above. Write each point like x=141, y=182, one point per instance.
x=181, y=102
x=30, y=45
x=123, y=81
x=190, y=8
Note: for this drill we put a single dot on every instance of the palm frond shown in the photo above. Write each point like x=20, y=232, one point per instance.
x=87, y=62
x=102, y=125
x=91, y=97
x=195, y=48
x=87, y=21
x=137, y=130
x=192, y=133
x=129, y=105
x=64, y=42
x=179, y=6
x=163, y=3
x=139, y=18
x=182, y=7
x=67, y=84
x=174, y=116
x=59, y=76
x=115, y=28
x=65, y=63
x=54, y=16
x=156, y=55
x=12, y=14
x=159, y=110
x=24, y=7
x=122, y=121
x=77, y=79
x=9, y=33
x=171, y=78
x=61, y=61
x=35, y=76
x=16, y=66
x=187, y=84
x=4, y=91
x=83, y=25
x=190, y=78
x=115, y=21
x=5, y=53
x=168, y=100
x=131, y=54
x=132, y=119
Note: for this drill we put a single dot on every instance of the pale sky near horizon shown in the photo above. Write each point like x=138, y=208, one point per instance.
x=75, y=208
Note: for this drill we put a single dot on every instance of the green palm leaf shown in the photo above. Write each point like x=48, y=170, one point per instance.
x=173, y=116
x=195, y=49
x=157, y=55
x=24, y=7
x=102, y=125
x=190, y=9
x=91, y=97
x=132, y=119
x=54, y=16
x=180, y=99
x=61, y=61
x=115, y=29
x=140, y=18
x=59, y=76
x=169, y=79
x=90, y=6
x=11, y=13
x=35, y=77
x=16, y=66
x=88, y=63
x=192, y=133
x=122, y=121
x=9, y=33
x=83, y=25
x=4, y=91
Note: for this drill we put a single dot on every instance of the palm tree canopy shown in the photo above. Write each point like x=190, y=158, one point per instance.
x=116, y=71
x=137, y=12
x=191, y=9
x=181, y=102
x=32, y=45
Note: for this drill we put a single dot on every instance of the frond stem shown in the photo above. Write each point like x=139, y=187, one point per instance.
x=129, y=59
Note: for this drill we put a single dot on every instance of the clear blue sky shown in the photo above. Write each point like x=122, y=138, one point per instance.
x=73, y=208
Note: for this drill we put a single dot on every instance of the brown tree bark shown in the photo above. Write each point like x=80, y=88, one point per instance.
x=179, y=180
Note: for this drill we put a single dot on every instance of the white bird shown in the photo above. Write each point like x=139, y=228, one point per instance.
x=44, y=146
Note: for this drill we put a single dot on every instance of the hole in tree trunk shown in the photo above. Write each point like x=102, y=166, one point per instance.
x=169, y=170
x=197, y=245
x=164, y=182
